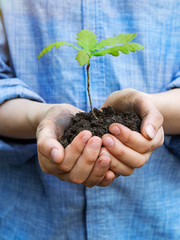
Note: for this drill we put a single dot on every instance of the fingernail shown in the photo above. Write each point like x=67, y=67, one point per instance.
x=108, y=142
x=108, y=179
x=104, y=153
x=150, y=131
x=55, y=155
x=105, y=159
x=104, y=163
x=95, y=145
x=115, y=130
x=85, y=137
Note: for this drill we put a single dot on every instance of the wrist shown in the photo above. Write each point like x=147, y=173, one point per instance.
x=36, y=113
x=166, y=103
x=20, y=117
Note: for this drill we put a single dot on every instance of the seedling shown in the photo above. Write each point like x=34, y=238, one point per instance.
x=88, y=42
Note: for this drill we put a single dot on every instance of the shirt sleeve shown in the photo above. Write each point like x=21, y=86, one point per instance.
x=172, y=142
x=15, y=88
x=13, y=151
x=175, y=83
x=10, y=85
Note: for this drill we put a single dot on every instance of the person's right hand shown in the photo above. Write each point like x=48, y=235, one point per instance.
x=83, y=161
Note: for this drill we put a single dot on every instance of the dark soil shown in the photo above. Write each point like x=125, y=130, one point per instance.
x=86, y=121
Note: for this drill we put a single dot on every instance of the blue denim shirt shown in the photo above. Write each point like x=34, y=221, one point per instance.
x=37, y=206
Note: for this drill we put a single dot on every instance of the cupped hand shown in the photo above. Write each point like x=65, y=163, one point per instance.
x=84, y=161
x=129, y=149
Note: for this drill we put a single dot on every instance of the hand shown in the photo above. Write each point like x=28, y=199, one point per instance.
x=129, y=149
x=83, y=161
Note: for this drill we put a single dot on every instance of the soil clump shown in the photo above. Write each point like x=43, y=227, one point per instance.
x=98, y=127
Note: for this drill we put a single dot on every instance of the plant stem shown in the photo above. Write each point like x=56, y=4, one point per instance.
x=87, y=70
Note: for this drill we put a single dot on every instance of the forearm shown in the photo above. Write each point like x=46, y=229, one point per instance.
x=168, y=104
x=20, y=118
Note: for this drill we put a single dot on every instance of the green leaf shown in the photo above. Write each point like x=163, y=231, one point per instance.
x=83, y=57
x=57, y=45
x=86, y=39
x=120, y=39
x=114, y=51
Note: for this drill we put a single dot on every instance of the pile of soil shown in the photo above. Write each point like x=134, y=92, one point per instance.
x=98, y=127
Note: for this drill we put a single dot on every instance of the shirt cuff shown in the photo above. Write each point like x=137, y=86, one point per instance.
x=175, y=83
x=17, y=151
x=15, y=88
x=172, y=142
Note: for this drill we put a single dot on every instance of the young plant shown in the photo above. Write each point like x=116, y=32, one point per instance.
x=88, y=42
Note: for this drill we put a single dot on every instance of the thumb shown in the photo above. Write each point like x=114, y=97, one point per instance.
x=47, y=142
x=152, y=119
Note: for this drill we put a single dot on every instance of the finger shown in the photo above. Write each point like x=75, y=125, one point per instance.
x=123, y=153
x=135, y=140
x=47, y=143
x=85, y=163
x=120, y=168
x=74, y=150
x=100, y=169
x=107, y=180
x=152, y=119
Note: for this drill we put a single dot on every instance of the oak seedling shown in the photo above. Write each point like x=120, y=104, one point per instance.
x=90, y=48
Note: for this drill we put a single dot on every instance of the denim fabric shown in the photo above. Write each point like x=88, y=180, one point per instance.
x=37, y=206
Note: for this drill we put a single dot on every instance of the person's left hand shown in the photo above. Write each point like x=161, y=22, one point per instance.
x=129, y=149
